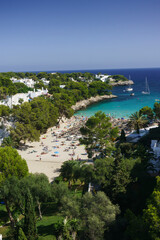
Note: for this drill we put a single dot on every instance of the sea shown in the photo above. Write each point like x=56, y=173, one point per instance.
x=124, y=105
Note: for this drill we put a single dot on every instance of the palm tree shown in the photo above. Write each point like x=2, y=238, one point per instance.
x=137, y=120
x=70, y=170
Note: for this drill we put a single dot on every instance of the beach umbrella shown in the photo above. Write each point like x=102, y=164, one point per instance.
x=56, y=152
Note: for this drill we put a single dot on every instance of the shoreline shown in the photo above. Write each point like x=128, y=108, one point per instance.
x=61, y=144
x=121, y=83
x=84, y=103
x=57, y=145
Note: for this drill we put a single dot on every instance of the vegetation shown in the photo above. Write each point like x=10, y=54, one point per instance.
x=11, y=164
x=137, y=120
x=123, y=198
x=118, y=78
x=156, y=110
x=30, y=218
x=120, y=187
x=35, y=117
x=98, y=135
x=148, y=112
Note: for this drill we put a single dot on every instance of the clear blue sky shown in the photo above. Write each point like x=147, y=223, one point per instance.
x=79, y=34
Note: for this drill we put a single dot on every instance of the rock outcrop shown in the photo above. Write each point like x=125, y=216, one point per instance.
x=121, y=83
x=84, y=103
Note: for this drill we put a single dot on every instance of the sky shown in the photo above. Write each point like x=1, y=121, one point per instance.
x=44, y=35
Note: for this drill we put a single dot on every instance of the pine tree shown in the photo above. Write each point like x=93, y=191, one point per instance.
x=30, y=229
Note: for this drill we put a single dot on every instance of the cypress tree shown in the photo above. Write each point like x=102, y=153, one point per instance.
x=30, y=229
x=123, y=136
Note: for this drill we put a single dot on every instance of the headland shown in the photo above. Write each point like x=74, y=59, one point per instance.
x=84, y=103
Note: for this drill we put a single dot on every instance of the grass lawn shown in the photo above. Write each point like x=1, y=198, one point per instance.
x=4, y=231
x=46, y=228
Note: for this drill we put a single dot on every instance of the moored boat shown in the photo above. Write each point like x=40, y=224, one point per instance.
x=129, y=88
x=147, y=90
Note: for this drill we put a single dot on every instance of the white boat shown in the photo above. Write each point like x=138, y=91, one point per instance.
x=129, y=88
x=147, y=90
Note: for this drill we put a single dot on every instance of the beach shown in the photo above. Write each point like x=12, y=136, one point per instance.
x=60, y=144
x=56, y=146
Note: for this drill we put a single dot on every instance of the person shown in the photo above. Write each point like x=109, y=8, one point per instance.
x=40, y=158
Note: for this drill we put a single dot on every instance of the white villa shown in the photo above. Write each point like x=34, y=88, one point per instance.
x=102, y=77
x=14, y=100
x=29, y=82
x=62, y=86
x=46, y=82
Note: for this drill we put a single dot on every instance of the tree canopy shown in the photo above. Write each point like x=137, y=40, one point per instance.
x=11, y=164
x=98, y=135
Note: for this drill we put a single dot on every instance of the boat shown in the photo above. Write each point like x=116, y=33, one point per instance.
x=129, y=88
x=147, y=90
x=132, y=94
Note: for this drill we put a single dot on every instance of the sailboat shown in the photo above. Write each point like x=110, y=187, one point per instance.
x=147, y=90
x=129, y=88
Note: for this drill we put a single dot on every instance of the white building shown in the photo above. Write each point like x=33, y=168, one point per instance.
x=14, y=100
x=45, y=82
x=29, y=82
x=102, y=77
x=62, y=86
x=40, y=92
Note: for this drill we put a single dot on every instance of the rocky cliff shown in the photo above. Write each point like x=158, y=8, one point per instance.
x=84, y=103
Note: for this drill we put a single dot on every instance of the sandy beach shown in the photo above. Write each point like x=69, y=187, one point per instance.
x=55, y=147
x=60, y=144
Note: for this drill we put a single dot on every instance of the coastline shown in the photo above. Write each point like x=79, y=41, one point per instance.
x=84, y=103
x=120, y=83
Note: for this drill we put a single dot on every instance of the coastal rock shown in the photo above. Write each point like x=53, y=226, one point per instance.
x=84, y=103
x=121, y=83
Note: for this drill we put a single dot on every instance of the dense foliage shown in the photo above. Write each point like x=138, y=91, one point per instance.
x=11, y=164
x=98, y=135
x=123, y=198
x=35, y=117
x=118, y=78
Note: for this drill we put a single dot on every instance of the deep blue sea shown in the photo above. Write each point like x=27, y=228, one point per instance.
x=125, y=105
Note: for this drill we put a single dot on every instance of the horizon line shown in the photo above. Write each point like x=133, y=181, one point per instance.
x=72, y=70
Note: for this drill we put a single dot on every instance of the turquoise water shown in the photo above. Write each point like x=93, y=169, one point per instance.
x=124, y=105
x=119, y=108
